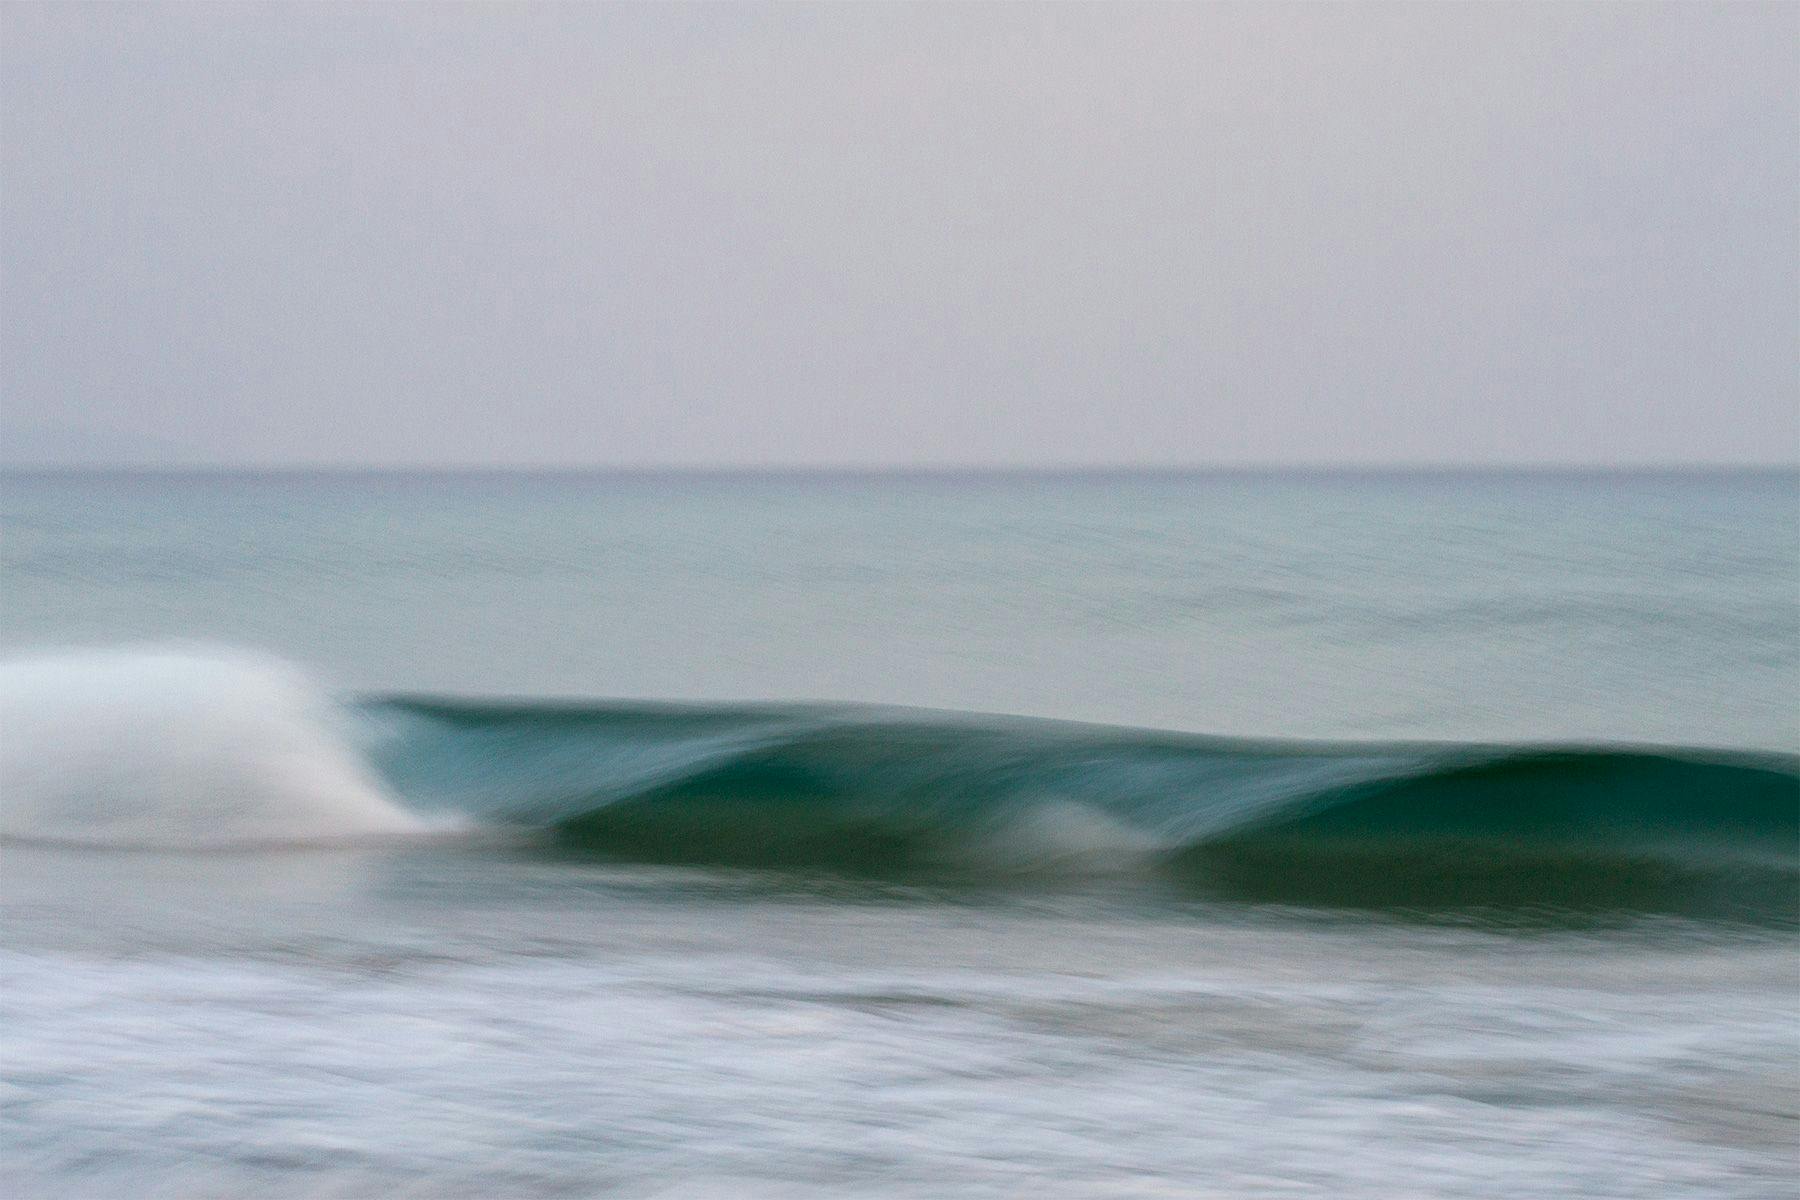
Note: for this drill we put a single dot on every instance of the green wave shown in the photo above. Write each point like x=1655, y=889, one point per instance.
x=903, y=792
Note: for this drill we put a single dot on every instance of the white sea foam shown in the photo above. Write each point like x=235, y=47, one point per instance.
x=1069, y=837
x=180, y=748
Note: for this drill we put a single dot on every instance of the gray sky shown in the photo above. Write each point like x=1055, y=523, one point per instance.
x=884, y=234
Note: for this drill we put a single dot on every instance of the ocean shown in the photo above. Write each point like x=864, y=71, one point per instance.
x=1104, y=834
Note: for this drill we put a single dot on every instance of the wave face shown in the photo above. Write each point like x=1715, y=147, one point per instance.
x=197, y=749
x=901, y=792
x=180, y=748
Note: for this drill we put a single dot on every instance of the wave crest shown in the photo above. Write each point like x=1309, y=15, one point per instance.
x=187, y=748
x=196, y=748
x=898, y=791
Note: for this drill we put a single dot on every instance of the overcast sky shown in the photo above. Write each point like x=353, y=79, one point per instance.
x=893, y=234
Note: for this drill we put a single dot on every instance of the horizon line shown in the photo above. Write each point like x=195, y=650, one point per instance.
x=1422, y=467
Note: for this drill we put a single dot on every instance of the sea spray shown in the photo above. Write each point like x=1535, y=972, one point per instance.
x=178, y=747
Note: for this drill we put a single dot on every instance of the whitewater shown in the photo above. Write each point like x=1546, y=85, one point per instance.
x=1284, y=835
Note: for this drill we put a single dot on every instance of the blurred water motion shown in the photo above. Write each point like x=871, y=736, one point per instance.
x=366, y=851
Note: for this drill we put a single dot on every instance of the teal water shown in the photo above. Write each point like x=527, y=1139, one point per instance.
x=1480, y=607
x=1230, y=834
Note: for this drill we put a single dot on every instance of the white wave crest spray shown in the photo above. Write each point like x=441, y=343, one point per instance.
x=179, y=747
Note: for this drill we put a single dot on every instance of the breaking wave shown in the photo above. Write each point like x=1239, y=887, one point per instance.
x=200, y=749
x=179, y=748
x=896, y=791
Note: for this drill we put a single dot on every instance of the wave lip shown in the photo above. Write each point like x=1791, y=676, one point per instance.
x=179, y=748
x=886, y=791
